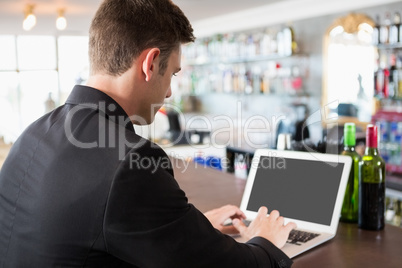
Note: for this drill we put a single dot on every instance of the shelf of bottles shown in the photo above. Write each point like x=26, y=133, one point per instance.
x=390, y=127
x=261, y=62
x=387, y=37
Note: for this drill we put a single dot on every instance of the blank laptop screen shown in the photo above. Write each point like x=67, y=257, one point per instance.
x=299, y=189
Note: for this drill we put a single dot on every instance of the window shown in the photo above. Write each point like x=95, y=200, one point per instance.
x=33, y=69
x=350, y=58
x=73, y=63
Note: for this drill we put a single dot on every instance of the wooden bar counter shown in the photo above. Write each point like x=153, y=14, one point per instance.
x=352, y=247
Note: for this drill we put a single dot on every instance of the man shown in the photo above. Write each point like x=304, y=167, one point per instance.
x=72, y=191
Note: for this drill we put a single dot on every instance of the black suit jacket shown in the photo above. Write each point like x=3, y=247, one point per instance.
x=80, y=189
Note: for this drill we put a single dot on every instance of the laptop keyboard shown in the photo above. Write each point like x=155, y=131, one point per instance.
x=296, y=237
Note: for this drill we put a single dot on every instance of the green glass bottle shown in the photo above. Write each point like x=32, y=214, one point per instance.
x=371, y=184
x=350, y=207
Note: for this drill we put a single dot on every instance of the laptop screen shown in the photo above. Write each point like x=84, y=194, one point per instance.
x=299, y=189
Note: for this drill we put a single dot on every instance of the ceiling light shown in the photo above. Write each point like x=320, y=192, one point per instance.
x=61, y=22
x=30, y=19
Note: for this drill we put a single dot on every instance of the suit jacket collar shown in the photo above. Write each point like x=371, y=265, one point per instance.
x=96, y=99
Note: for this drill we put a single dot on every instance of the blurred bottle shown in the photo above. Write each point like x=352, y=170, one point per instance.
x=265, y=43
x=289, y=41
x=394, y=29
x=376, y=89
x=265, y=82
x=384, y=29
x=251, y=46
x=393, y=78
x=390, y=209
x=379, y=80
x=249, y=82
x=400, y=33
x=284, y=142
x=256, y=74
x=399, y=76
x=398, y=214
x=350, y=207
x=280, y=43
x=371, y=184
x=274, y=42
x=383, y=131
x=385, y=87
x=376, y=31
x=228, y=81
x=398, y=142
x=240, y=166
x=395, y=143
x=393, y=127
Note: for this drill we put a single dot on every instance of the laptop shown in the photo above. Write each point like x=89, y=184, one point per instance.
x=306, y=188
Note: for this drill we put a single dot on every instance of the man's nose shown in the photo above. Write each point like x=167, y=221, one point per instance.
x=169, y=92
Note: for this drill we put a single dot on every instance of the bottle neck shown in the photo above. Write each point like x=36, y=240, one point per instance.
x=371, y=140
x=349, y=148
x=371, y=151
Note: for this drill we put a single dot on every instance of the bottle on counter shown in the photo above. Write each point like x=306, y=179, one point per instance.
x=284, y=142
x=398, y=214
x=390, y=209
x=350, y=207
x=371, y=184
x=394, y=211
x=240, y=166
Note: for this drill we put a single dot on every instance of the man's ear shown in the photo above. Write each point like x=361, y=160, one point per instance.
x=151, y=63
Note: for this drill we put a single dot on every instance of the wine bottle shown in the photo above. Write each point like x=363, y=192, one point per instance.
x=350, y=207
x=371, y=184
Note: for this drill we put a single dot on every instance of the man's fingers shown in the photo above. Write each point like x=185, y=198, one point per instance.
x=262, y=211
x=239, y=225
x=229, y=230
x=274, y=214
x=240, y=217
x=280, y=220
x=290, y=226
x=230, y=211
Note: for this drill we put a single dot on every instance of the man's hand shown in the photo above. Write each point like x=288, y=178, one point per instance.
x=218, y=216
x=271, y=228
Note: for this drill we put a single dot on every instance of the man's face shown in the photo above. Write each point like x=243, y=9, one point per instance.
x=160, y=86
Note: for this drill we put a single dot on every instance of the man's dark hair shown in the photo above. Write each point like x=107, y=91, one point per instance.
x=122, y=29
